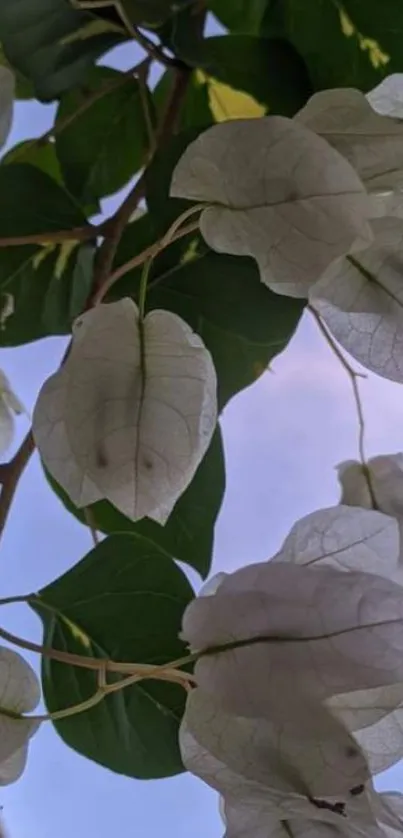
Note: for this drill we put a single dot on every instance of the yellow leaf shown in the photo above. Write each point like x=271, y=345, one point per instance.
x=228, y=103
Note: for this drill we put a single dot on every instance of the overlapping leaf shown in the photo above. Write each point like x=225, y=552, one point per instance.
x=53, y=44
x=105, y=145
x=360, y=298
x=370, y=142
x=381, y=481
x=44, y=289
x=346, y=539
x=188, y=535
x=123, y=601
x=131, y=413
x=387, y=97
x=259, y=759
x=19, y=693
x=277, y=192
x=306, y=633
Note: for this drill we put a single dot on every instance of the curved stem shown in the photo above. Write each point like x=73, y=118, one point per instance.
x=353, y=376
x=148, y=254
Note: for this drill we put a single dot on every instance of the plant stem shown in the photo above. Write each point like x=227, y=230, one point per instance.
x=148, y=254
x=353, y=376
x=79, y=234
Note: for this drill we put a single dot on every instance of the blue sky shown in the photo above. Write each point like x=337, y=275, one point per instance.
x=283, y=437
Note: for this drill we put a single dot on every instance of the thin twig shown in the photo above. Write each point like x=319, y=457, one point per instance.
x=10, y=474
x=155, y=51
x=88, y=231
x=149, y=253
x=353, y=376
x=140, y=670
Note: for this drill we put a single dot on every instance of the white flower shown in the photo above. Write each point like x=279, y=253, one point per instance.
x=286, y=784
x=9, y=404
x=19, y=693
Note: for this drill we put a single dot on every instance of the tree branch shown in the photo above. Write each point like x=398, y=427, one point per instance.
x=112, y=230
x=114, y=226
x=10, y=474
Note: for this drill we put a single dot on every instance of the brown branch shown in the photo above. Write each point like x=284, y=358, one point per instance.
x=149, y=253
x=10, y=474
x=114, y=226
x=155, y=51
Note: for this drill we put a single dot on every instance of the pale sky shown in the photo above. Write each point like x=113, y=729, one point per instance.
x=283, y=437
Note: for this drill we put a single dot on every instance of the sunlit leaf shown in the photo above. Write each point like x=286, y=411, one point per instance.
x=131, y=413
x=279, y=193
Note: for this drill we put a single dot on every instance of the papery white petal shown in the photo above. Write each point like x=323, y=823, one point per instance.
x=212, y=585
x=280, y=193
x=346, y=538
x=386, y=475
x=13, y=767
x=107, y=430
x=370, y=142
x=6, y=427
x=285, y=764
x=318, y=633
x=19, y=693
x=387, y=97
x=360, y=298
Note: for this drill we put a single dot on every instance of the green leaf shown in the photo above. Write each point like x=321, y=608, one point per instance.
x=124, y=601
x=270, y=70
x=196, y=109
x=23, y=87
x=41, y=155
x=188, y=535
x=147, y=13
x=46, y=287
x=182, y=33
x=32, y=203
x=101, y=150
x=164, y=209
x=352, y=44
x=239, y=15
x=52, y=44
x=242, y=323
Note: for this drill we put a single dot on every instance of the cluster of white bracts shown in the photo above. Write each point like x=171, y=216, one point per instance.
x=290, y=726
x=19, y=694
x=318, y=202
